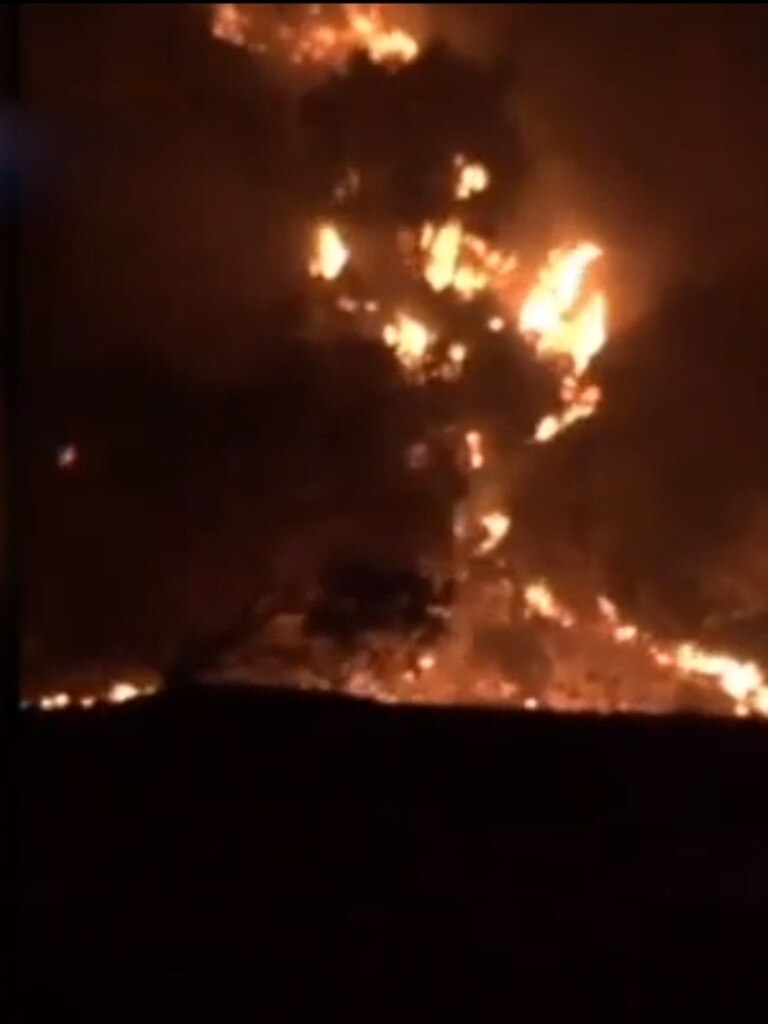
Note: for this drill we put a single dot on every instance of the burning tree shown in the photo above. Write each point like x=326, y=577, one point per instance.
x=411, y=166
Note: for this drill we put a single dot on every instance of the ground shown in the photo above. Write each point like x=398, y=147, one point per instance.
x=193, y=854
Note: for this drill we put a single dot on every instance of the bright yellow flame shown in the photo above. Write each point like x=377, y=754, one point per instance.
x=465, y=262
x=442, y=246
x=409, y=338
x=329, y=253
x=497, y=526
x=471, y=178
x=741, y=680
x=540, y=601
x=557, y=289
x=122, y=691
x=383, y=44
x=567, y=329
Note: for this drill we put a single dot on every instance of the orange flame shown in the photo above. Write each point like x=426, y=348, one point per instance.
x=317, y=38
x=562, y=326
x=540, y=601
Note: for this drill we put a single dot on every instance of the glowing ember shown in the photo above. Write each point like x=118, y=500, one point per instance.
x=622, y=632
x=580, y=406
x=54, y=701
x=496, y=324
x=119, y=692
x=67, y=456
x=474, y=442
x=329, y=253
x=427, y=661
x=409, y=338
x=471, y=178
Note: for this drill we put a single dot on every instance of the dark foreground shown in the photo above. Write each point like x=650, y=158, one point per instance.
x=242, y=855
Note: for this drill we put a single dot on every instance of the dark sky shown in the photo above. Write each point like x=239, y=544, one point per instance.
x=165, y=212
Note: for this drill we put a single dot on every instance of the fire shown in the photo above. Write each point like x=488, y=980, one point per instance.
x=580, y=404
x=471, y=178
x=409, y=338
x=383, y=44
x=54, y=701
x=622, y=632
x=122, y=691
x=454, y=258
x=329, y=253
x=743, y=681
x=557, y=290
x=475, y=454
x=119, y=692
x=563, y=318
x=322, y=34
x=568, y=330
x=497, y=526
x=539, y=600
x=229, y=25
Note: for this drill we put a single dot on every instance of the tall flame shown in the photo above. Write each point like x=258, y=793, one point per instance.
x=568, y=330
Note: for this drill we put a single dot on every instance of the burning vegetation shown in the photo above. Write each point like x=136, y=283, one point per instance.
x=418, y=258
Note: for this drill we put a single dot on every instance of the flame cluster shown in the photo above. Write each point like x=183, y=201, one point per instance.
x=562, y=317
x=558, y=313
x=325, y=35
x=120, y=691
x=456, y=259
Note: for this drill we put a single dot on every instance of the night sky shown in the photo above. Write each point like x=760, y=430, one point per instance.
x=221, y=453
